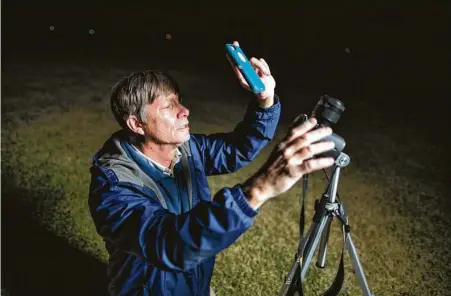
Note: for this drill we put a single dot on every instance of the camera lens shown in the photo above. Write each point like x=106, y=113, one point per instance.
x=328, y=110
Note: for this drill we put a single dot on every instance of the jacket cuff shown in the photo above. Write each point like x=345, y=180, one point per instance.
x=241, y=200
x=270, y=113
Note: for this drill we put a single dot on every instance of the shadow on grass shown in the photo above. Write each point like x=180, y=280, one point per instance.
x=36, y=261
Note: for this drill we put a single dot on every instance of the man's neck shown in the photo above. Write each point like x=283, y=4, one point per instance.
x=162, y=153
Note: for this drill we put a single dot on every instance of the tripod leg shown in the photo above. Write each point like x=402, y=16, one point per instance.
x=322, y=252
x=291, y=281
x=357, y=266
x=304, y=240
x=312, y=242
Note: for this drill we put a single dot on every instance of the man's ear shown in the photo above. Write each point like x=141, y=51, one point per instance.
x=135, y=125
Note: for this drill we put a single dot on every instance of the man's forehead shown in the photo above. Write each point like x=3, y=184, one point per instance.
x=163, y=97
x=167, y=96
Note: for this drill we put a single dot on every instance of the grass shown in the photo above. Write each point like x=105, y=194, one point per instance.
x=55, y=118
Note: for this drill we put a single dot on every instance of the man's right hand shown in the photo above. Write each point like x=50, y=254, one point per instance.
x=288, y=162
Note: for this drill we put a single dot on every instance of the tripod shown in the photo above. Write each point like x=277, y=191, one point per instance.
x=325, y=210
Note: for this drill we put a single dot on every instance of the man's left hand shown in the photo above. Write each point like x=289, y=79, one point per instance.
x=265, y=98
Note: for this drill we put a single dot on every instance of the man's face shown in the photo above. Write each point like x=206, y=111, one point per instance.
x=167, y=120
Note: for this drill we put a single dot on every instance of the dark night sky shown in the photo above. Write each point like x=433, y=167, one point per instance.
x=396, y=48
x=408, y=37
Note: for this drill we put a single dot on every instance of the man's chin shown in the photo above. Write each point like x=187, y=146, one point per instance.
x=184, y=139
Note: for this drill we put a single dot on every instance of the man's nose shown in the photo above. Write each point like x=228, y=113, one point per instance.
x=184, y=112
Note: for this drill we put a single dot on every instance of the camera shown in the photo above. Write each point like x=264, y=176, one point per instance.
x=327, y=112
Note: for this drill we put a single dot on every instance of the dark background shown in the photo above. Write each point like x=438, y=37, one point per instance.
x=395, y=55
x=398, y=62
x=395, y=46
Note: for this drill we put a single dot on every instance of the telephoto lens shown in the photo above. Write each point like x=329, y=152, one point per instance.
x=328, y=111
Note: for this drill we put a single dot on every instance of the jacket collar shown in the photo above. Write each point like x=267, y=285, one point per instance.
x=143, y=162
x=169, y=171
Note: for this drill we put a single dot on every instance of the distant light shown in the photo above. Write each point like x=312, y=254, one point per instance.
x=347, y=50
x=91, y=32
x=168, y=36
x=51, y=28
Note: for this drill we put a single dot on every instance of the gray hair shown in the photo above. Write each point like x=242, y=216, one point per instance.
x=131, y=95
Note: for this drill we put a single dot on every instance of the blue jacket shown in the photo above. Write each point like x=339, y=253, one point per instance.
x=162, y=233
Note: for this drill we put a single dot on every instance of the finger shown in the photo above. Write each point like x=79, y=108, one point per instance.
x=298, y=130
x=309, y=152
x=309, y=138
x=317, y=134
x=296, y=144
x=316, y=164
x=266, y=65
x=303, y=150
x=259, y=65
x=236, y=43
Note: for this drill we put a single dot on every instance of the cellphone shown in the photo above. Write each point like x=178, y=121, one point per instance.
x=238, y=57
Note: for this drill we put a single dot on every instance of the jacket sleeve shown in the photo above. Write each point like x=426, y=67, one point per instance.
x=139, y=225
x=223, y=153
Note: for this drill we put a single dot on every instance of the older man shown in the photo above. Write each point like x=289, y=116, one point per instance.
x=149, y=196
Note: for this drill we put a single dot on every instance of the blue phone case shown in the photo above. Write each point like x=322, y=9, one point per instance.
x=242, y=62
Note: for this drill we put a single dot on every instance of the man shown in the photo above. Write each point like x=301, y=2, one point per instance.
x=149, y=196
